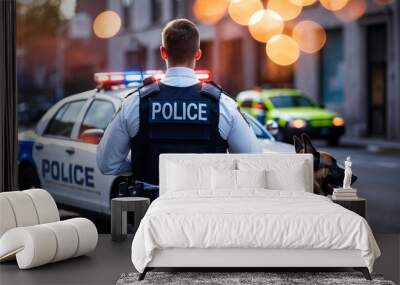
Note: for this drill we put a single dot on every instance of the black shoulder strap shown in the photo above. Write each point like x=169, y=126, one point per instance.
x=132, y=92
x=149, y=87
x=211, y=90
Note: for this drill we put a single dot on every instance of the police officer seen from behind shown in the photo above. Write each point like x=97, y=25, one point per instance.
x=176, y=115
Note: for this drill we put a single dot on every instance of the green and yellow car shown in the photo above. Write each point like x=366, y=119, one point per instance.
x=294, y=113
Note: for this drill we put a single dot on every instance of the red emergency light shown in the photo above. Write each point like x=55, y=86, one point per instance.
x=203, y=75
x=157, y=74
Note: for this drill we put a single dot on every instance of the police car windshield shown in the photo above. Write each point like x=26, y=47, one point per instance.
x=286, y=101
x=257, y=128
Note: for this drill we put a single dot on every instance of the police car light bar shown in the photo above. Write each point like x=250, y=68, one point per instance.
x=109, y=79
x=203, y=75
x=157, y=74
x=134, y=78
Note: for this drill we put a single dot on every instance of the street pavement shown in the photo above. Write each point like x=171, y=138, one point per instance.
x=378, y=182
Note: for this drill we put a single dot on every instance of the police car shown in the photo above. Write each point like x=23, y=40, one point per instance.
x=294, y=112
x=59, y=155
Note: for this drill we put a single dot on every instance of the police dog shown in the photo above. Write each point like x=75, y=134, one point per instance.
x=327, y=173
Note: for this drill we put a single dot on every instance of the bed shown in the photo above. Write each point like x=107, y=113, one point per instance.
x=242, y=211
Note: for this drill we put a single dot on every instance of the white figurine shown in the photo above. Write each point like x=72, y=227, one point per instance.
x=347, y=174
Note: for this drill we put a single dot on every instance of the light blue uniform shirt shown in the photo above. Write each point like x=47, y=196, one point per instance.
x=113, y=151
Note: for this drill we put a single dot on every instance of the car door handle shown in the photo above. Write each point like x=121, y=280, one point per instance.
x=39, y=146
x=70, y=150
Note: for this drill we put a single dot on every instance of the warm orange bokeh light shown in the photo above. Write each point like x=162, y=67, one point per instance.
x=338, y=121
x=298, y=124
x=352, y=11
x=264, y=24
x=242, y=10
x=310, y=36
x=210, y=12
x=286, y=8
x=107, y=24
x=283, y=50
x=303, y=2
x=334, y=5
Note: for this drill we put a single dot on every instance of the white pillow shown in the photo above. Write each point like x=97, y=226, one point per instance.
x=296, y=181
x=231, y=180
x=251, y=178
x=184, y=178
x=187, y=175
x=282, y=174
x=223, y=179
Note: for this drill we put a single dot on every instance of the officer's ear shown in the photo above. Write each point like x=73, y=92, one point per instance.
x=197, y=55
x=163, y=53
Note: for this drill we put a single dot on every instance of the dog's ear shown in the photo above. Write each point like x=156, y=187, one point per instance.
x=308, y=146
x=298, y=144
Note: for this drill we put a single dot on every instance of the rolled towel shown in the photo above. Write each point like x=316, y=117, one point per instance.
x=23, y=208
x=7, y=218
x=32, y=246
x=67, y=240
x=45, y=205
x=37, y=245
x=87, y=235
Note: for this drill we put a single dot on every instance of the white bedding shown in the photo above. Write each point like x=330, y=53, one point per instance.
x=250, y=219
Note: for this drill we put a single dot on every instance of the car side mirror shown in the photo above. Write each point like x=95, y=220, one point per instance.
x=92, y=136
x=272, y=127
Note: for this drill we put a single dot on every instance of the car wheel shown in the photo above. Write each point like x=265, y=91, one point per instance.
x=333, y=141
x=28, y=178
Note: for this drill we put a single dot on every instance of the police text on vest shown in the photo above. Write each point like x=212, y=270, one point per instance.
x=179, y=111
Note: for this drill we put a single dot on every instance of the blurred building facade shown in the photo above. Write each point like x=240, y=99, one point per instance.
x=225, y=45
x=357, y=73
x=60, y=63
x=83, y=53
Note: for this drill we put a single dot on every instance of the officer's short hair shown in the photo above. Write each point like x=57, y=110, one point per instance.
x=181, y=39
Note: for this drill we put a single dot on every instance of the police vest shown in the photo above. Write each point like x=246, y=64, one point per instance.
x=175, y=120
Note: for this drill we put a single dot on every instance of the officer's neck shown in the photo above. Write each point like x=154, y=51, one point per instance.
x=191, y=65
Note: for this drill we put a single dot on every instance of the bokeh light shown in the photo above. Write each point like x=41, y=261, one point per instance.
x=210, y=12
x=352, y=11
x=68, y=9
x=283, y=50
x=107, y=24
x=242, y=10
x=334, y=5
x=303, y=2
x=310, y=36
x=264, y=24
x=286, y=8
